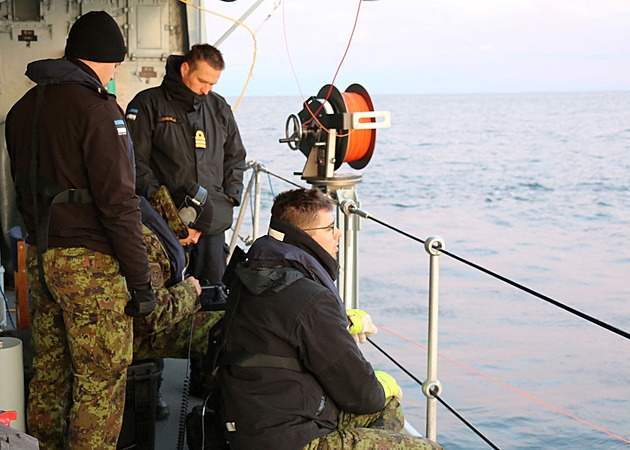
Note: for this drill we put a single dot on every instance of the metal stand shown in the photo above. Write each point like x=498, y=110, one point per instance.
x=342, y=188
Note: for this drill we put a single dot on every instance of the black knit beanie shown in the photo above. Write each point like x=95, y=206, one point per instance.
x=96, y=37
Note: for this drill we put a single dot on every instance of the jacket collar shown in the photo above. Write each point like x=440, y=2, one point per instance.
x=290, y=234
x=64, y=71
x=292, y=247
x=176, y=88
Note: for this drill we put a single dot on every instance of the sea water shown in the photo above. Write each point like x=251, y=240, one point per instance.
x=534, y=187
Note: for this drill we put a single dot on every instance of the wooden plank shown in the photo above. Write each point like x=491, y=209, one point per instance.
x=21, y=289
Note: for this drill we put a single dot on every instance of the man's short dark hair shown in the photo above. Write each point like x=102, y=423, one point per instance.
x=299, y=207
x=204, y=52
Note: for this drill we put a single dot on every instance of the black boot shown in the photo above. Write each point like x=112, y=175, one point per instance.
x=201, y=377
x=197, y=388
x=161, y=407
x=162, y=410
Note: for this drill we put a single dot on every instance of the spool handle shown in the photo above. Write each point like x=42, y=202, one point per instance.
x=293, y=138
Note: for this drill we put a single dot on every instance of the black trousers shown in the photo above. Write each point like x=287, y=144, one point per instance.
x=208, y=258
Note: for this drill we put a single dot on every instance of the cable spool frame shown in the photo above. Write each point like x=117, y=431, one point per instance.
x=333, y=136
x=326, y=140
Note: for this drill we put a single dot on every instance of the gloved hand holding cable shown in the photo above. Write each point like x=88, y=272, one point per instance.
x=361, y=326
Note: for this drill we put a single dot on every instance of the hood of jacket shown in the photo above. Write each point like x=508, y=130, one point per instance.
x=176, y=88
x=261, y=279
x=284, y=256
x=63, y=71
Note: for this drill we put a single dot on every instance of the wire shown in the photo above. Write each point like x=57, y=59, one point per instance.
x=283, y=179
x=251, y=70
x=459, y=416
x=541, y=296
x=507, y=386
x=332, y=83
x=270, y=185
x=186, y=392
x=286, y=44
x=273, y=10
x=513, y=283
x=7, y=310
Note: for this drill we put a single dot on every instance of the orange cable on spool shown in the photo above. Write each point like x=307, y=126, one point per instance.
x=359, y=141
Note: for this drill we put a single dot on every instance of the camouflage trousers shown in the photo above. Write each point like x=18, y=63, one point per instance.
x=83, y=340
x=381, y=430
x=175, y=340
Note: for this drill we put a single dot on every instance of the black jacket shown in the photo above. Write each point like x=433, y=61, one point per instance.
x=164, y=121
x=285, y=310
x=83, y=145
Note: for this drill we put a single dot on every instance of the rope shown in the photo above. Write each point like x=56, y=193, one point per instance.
x=262, y=169
x=251, y=70
x=508, y=386
x=459, y=416
x=270, y=185
x=513, y=283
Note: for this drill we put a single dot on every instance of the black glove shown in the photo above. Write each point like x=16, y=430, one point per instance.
x=142, y=303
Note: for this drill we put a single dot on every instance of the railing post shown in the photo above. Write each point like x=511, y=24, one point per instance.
x=431, y=386
x=348, y=257
x=241, y=213
x=256, y=218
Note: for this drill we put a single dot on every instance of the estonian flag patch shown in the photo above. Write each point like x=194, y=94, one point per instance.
x=120, y=127
x=131, y=114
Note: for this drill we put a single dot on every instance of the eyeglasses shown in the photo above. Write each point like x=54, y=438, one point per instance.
x=330, y=227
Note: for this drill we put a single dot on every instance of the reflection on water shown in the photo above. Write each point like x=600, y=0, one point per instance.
x=534, y=187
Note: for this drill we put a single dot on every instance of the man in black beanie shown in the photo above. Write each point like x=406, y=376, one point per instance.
x=87, y=264
x=96, y=37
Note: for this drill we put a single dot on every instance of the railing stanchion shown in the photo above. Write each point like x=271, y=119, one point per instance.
x=348, y=257
x=256, y=218
x=241, y=213
x=432, y=387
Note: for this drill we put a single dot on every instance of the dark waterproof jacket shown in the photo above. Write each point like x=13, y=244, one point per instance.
x=285, y=310
x=165, y=123
x=83, y=144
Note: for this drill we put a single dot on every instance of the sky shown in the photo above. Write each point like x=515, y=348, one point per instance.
x=425, y=46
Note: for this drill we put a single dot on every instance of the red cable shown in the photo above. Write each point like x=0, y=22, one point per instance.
x=286, y=43
x=511, y=388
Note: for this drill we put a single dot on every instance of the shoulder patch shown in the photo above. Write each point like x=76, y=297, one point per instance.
x=155, y=273
x=120, y=127
x=132, y=114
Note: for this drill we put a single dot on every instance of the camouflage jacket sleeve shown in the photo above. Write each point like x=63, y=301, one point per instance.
x=174, y=303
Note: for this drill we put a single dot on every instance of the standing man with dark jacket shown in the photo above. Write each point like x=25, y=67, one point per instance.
x=291, y=374
x=186, y=138
x=69, y=152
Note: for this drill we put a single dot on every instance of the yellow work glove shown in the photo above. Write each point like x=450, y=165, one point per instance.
x=361, y=326
x=390, y=386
